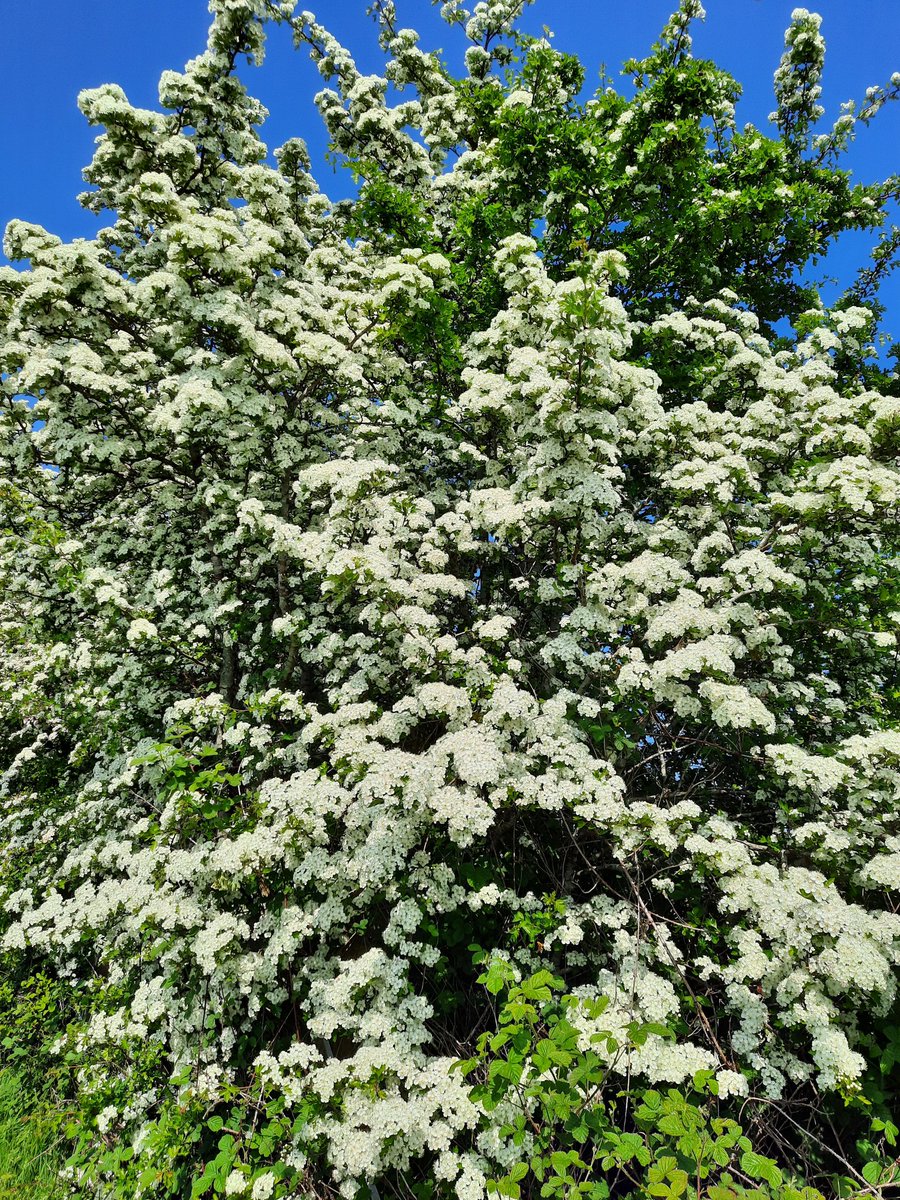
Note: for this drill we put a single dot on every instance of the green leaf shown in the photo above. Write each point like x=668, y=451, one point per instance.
x=758, y=1167
x=497, y=976
x=679, y=1182
x=871, y=1172
x=204, y=1184
x=560, y=1162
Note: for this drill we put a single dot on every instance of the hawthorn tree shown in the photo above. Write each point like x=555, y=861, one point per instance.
x=449, y=670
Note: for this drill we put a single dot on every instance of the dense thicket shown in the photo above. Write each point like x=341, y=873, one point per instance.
x=455, y=626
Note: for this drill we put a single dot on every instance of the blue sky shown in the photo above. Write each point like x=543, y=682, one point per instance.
x=55, y=48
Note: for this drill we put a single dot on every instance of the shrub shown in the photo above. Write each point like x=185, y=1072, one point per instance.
x=507, y=556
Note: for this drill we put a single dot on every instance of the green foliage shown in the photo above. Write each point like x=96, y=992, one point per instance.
x=189, y=1150
x=204, y=791
x=30, y=1141
x=35, y=1009
x=573, y=1130
x=391, y=216
x=35, y=1086
x=665, y=177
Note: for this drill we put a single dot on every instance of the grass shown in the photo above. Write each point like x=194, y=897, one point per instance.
x=29, y=1141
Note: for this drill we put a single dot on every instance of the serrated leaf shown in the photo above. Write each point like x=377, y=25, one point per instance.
x=757, y=1166
x=871, y=1172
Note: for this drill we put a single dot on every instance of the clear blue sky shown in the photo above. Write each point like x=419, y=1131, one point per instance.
x=55, y=48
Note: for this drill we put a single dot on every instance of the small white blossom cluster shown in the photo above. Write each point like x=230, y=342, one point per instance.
x=798, y=77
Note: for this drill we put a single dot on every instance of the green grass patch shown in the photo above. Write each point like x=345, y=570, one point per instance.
x=30, y=1146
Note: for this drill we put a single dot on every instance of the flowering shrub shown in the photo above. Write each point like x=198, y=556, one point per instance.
x=548, y=1071
x=468, y=563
